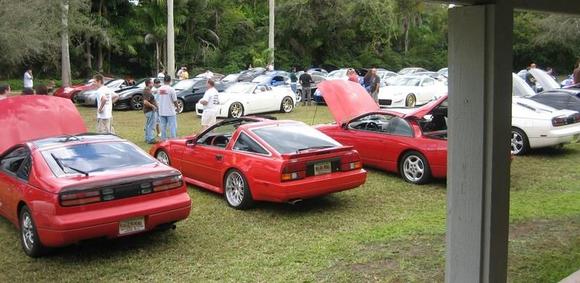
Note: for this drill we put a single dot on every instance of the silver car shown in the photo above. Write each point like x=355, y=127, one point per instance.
x=89, y=97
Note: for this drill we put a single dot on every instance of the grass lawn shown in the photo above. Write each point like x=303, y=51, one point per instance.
x=387, y=230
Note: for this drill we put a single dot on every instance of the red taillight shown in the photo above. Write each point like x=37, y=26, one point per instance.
x=167, y=184
x=78, y=198
x=558, y=121
x=350, y=162
x=293, y=170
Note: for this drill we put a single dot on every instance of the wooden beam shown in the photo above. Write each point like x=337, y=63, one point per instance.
x=552, y=6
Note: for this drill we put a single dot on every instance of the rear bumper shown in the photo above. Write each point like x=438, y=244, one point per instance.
x=74, y=227
x=311, y=187
x=557, y=136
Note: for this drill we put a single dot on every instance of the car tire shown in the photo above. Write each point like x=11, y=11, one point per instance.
x=298, y=96
x=414, y=168
x=410, y=101
x=180, y=106
x=137, y=102
x=236, y=110
x=73, y=97
x=236, y=190
x=519, y=142
x=28, y=234
x=287, y=105
x=162, y=156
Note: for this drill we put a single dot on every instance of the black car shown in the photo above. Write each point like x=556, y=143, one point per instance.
x=189, y=92
x=131, y=98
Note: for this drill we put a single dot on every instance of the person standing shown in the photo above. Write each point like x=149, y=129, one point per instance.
x=352, y=76
x=28, y=80
x=150, y=110
x=161, y=74
x=305, y=81
x=184, y=75
x=167, y=103
x=576, y=74
x=371, y=83
x=155, y=91
x=4, y=91
x=105, y=99
x=210, y=102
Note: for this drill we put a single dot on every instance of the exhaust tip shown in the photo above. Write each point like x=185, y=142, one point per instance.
x=295, y=201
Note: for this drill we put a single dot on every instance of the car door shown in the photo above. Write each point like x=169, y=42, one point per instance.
x=14, y=171
x=261, y=99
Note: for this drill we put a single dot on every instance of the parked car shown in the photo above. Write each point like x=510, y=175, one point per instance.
x=313, y=88
x=413, y=144
x=60, y=186
x=72, y=91
x=339, y=74
x=249, y=75
x=550, y=85
x=444, y=72
x=254, y=159
x=229, y=80
x=245, y=98
x=411, y=70
x=89, y=97
x=273, y=79
x=131, y=97
x=411, y=90
x=190, y=91
x=555, y=99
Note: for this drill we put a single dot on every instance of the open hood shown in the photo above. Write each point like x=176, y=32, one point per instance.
x=32, y=117
x=346, y=100
x=420, y=112
x=547, y=82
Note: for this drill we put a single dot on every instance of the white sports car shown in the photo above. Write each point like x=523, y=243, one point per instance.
x=410, y=91
x=244, y=98
x=537, y=125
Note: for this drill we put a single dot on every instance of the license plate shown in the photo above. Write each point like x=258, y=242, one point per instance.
x=322, y=168
x=131, y=225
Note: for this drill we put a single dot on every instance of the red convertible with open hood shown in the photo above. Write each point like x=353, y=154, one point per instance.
x=412, y=144
x=60, y=185
x=249, y=159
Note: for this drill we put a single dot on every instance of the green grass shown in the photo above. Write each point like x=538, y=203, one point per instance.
x=386, y=230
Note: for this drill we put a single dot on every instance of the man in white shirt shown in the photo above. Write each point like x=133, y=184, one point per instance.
x=167, y=102
x=161, y=74
x=28, y=83
x=210, y=102
x=105, y=99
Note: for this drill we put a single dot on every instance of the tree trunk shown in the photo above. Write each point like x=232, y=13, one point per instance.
x=157, y=57
x=88, y=55
x=99, y=58
x=271, y=5
x=406, y=28
x=170, y=39
x=65, y=60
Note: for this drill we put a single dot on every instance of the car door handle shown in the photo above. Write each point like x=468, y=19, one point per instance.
x=219, y=157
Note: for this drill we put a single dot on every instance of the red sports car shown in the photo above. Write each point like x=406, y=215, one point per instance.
x=60, y=185
x=72, y=91
x=254, y=159
x=413, y=144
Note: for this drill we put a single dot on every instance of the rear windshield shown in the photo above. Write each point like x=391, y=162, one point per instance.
x=95, y=157
x=293, y=138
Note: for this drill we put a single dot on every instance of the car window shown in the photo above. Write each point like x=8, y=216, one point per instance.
x=382, y=123
x=428, y=82
x=95, y=157
x=247, y=144
x=24, y=170
x=291, y=138
x=12, y=162
x=218, y=136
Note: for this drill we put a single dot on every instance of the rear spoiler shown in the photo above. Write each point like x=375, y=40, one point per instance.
x=317, y=152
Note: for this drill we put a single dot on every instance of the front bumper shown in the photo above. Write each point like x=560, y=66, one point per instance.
x=104, y=223
x=123, y=104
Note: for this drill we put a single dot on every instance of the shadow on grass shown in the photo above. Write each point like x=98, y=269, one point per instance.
x=551, y=152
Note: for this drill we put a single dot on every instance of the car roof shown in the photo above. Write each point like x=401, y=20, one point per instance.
x=69, y=139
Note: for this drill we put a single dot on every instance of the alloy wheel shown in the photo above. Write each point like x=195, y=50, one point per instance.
x=137, y=102
x=235, y=189
x=413, y=168
x=163, y=157
x=287, y=105
x=27, y=231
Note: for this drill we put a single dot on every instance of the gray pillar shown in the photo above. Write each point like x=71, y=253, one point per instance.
x=480, y=66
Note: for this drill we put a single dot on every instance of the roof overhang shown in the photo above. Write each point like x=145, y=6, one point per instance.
x=553, y=6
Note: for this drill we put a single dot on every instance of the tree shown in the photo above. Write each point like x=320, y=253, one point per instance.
x=170, y=39
x=65, y=69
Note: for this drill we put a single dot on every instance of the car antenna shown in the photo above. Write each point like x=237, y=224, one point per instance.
x=315, y=110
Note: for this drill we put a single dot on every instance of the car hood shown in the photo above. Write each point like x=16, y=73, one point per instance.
x=346, y=100
x=544, y=79
x=420, y=112
x=27, y=118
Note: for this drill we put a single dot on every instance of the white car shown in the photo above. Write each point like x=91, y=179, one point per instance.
x=410, y=91
x=537, y=125
x=339, y=74
x=245, y=98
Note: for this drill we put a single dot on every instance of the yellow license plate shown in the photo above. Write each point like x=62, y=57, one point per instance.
x=132, y=225
x=322, y=168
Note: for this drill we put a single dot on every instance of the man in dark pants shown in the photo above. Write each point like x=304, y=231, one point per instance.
x=305, y=81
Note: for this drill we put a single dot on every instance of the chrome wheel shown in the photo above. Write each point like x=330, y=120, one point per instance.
x=28, y=232
x=519, y=142
x=137, y=102
x=179, y=108
x=413, y=168
x=162, y=157
x=235, y=186
x=287, y=105
x=410, y=101
x=236, y=110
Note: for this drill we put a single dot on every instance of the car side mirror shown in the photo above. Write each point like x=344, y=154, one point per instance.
x=191, y=143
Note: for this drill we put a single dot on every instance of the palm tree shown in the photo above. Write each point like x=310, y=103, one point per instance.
x=65, y=60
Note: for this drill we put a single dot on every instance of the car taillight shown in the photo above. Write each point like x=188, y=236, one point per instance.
x=167, y=184
x=293, y=171
x=78, y=198
x=350, y=162
x=558, y=121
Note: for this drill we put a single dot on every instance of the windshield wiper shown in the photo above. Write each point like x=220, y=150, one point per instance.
x=70, y=138
x=63, y=166
x=314, y=147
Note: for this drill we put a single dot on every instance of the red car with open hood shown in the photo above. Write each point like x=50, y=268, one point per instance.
x=412, y=144
x=60, y=185
x=255, y=159
x=72, y=91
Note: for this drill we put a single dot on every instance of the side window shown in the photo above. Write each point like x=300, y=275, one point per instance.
x=245, y=143
x=14, y=160
x=428, y=82
x=399, y=127
x=24, y=170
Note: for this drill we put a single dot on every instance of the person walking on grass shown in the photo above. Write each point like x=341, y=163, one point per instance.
x=167, y=103
x=105, y=99
x=28, y=82
x=155, y=91
x=305, y=81
x=210, y=101
x=150, y=110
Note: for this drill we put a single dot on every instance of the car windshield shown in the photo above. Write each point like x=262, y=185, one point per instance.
x=241, y=88
x=95, y=157
x=405, y=81
x=291, y=138
x=185, y=84
x=262, y=79
x=520, y=87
